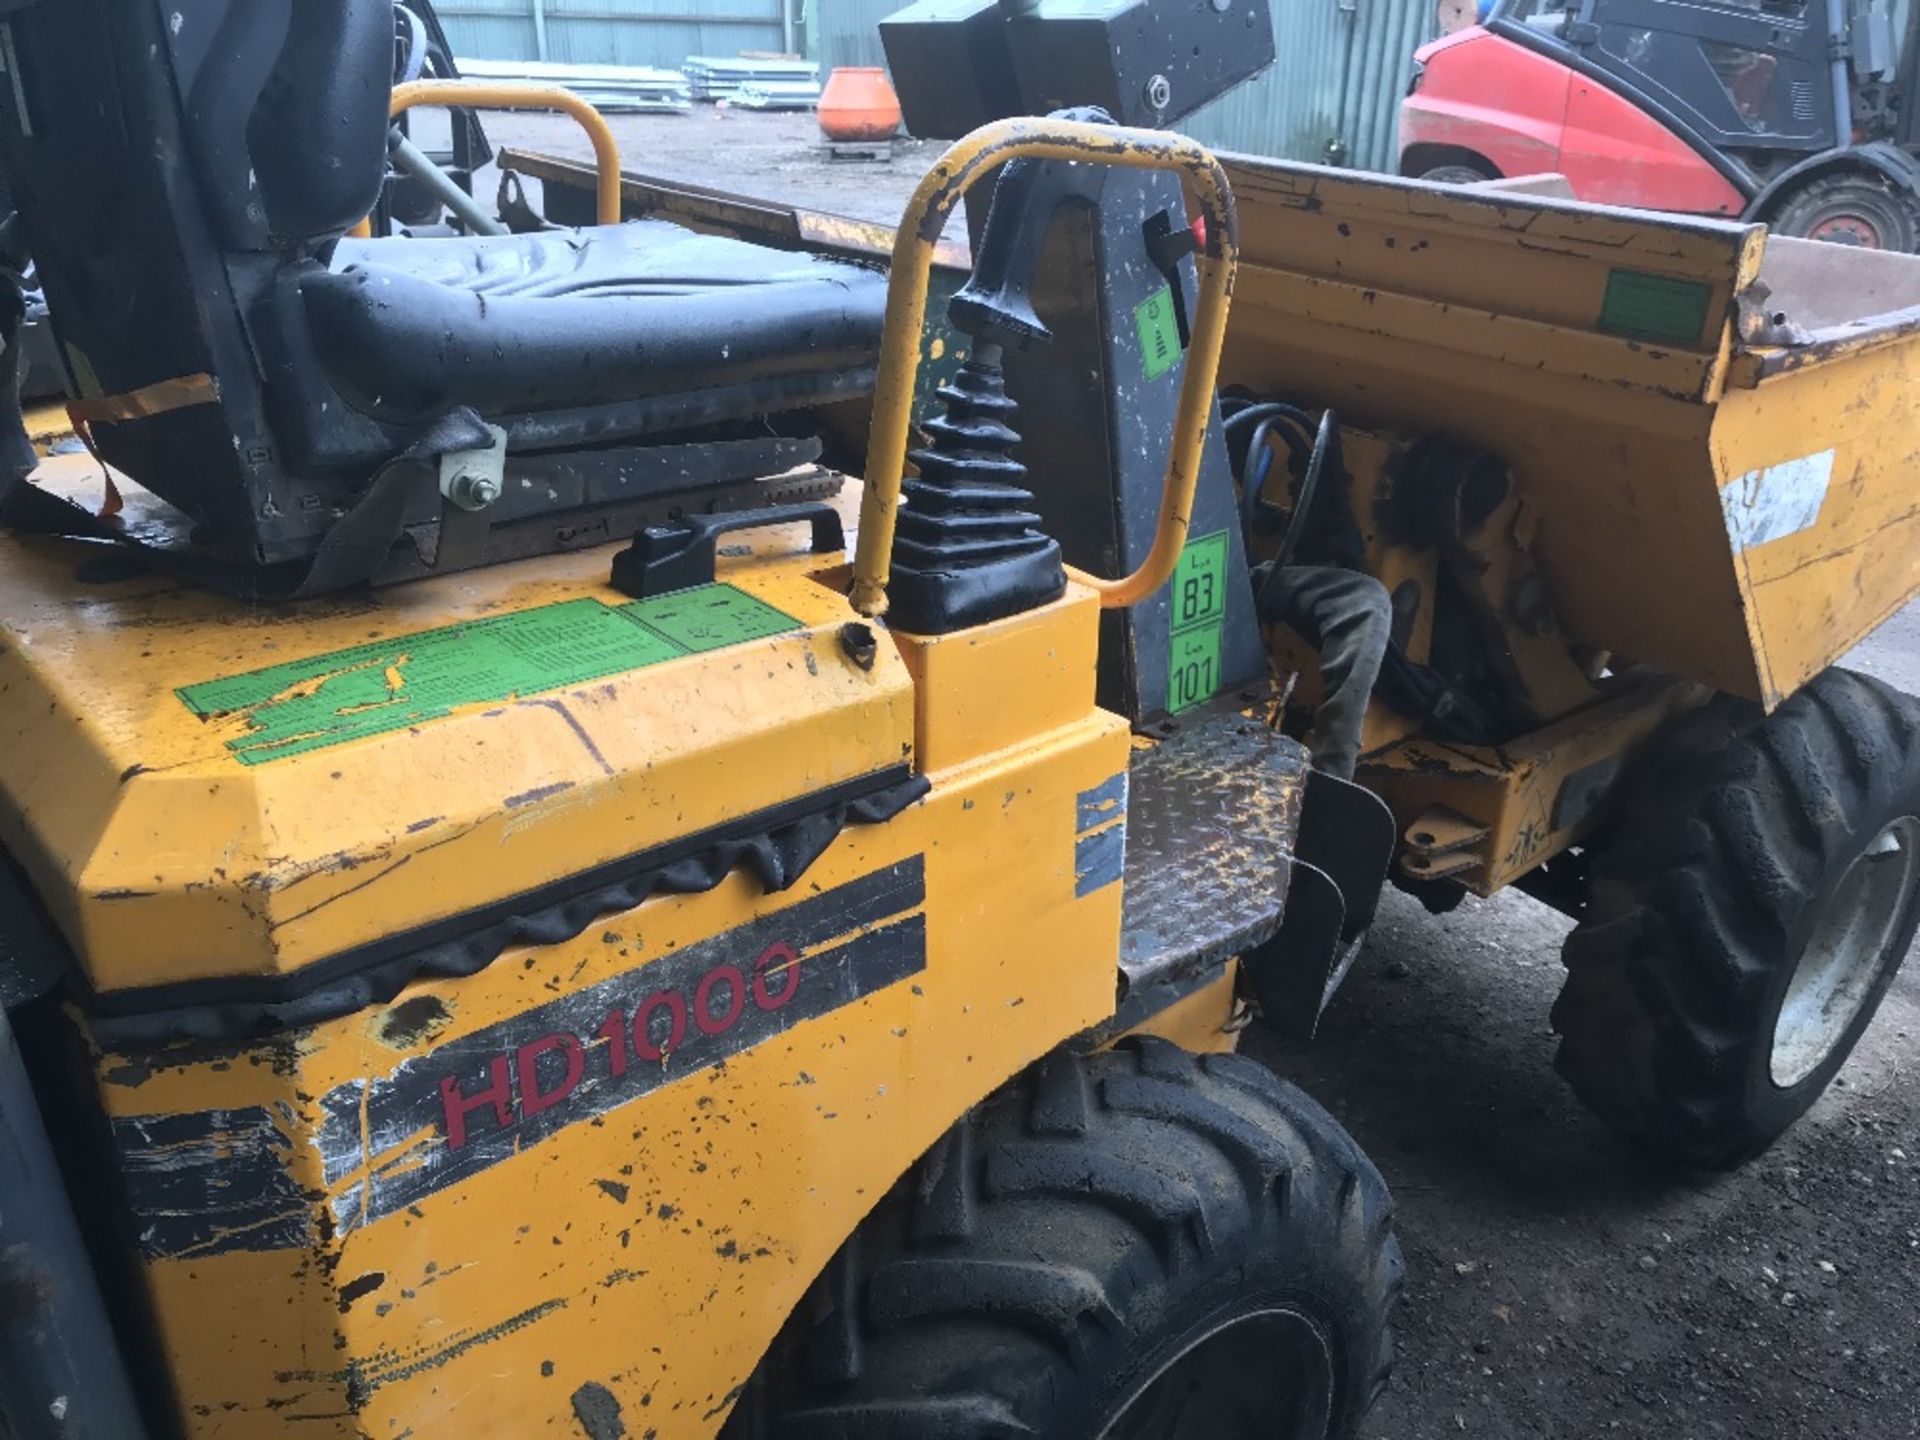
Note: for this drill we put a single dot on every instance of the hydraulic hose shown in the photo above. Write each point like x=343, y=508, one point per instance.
x=1347, y=617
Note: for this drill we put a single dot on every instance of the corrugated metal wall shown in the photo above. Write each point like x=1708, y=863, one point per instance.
x=1341, y=69
x=610, y=32
x=847, y=32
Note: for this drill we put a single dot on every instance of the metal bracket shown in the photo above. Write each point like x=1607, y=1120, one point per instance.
x=1339, y=868
x=1443, y=843
x=474, y=479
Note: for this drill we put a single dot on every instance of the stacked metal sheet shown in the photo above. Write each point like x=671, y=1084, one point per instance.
x=794, y=84
x=778, y=95
x=611, y=88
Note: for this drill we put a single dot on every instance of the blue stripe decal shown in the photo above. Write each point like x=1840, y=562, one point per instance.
x=1098, y=859
x=1105, y=801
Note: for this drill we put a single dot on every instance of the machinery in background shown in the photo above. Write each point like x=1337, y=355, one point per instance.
x=1797, y=113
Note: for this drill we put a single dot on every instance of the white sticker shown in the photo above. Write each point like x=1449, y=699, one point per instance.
x=1781, y=500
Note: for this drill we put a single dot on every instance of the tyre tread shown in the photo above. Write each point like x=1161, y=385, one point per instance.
x=1717, y=853
x=1095, y=1189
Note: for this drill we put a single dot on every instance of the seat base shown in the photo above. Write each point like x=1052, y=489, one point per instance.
x=513, y=323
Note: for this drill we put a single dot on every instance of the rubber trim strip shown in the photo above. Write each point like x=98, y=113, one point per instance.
x=777, y=845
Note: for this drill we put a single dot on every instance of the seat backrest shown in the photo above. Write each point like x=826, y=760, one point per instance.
x=167, y=161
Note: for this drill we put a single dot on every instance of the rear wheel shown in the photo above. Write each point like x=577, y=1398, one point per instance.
x=1853, y=209
x=1751, y=903
x=1137, y=1244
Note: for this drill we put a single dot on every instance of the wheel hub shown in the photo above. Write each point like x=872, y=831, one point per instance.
x=1847, y=952
x=1266, y=1372
x=1849, y=229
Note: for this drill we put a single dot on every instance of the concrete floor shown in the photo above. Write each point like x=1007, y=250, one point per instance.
x=1556, y=1287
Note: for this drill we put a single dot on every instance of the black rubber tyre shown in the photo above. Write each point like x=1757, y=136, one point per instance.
x=1456, y=175
x=1730, y=863
x=1854, y=208
x=1090, y=1226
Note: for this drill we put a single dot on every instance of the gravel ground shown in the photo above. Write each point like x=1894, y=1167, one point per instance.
x=1556, y=1286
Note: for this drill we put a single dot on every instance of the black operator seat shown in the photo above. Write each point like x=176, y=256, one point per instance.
x=183, y=173
x=512, y=323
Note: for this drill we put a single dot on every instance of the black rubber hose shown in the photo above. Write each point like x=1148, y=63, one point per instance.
x=1348, y=618
x=1245, y=461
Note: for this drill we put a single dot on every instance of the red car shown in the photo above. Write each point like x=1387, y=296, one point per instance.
x=1712, y=107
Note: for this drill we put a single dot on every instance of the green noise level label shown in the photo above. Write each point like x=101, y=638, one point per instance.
x=1197, y=613
x=391, y=684
x=1159, y=331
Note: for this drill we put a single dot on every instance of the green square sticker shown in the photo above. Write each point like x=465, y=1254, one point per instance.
x=710, y=617
x=1200, y=582
x=1196, y=613
x=406, y=680
x=1193, y=668
x=1159, y=333
x=1655, y=307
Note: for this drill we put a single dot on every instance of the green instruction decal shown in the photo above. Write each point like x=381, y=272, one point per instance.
x=1655, y=307
x=1198, y=608
x=391, y=684
x=1159, y=333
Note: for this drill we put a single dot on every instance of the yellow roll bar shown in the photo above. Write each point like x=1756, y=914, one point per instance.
x=489, y=95
x=913, y=247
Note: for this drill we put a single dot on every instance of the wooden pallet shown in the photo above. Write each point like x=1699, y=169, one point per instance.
x=858, y=149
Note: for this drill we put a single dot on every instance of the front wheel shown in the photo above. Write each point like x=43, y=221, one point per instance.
x=1752, y=901
x=1455, y=175
x=1860, y=209
x=1137, y=1244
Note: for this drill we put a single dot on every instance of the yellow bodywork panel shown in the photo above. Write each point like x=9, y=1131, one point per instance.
x=1816, y=463
x=47, y=425
x=188, y=782
x=1207, y=1022
x=586, y=1161
x=1705, y=493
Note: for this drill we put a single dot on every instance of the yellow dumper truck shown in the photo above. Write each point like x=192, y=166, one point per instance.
x=517, y=926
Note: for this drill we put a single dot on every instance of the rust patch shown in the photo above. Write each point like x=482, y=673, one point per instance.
x=364, y=1285
x=598, y=1411
x=363, y=1378
x=414, y=1021
x=544, y=792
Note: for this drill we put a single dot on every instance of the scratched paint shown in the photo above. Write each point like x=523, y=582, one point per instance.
x=456, y=1111
x=211, y=1180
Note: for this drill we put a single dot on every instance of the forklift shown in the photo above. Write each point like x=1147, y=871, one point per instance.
x=1799, y=114
x=510, y=930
